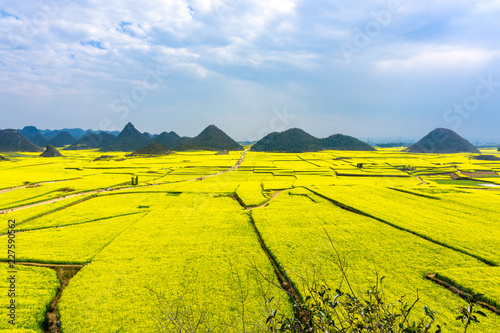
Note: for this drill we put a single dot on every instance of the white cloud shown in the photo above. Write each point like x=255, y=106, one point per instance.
x=276, y=50
x=436, y=57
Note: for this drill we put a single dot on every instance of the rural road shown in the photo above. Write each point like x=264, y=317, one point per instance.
x=13, y=209
x=267, y=202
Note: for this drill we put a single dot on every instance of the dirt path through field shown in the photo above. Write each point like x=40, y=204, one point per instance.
x=421, y=181
x=5, y=190
x=65, y=272
x=267, y=202
x=13, y=209
x=37, y=264
x=48, y=201
x=461, y=293
x=284, y=282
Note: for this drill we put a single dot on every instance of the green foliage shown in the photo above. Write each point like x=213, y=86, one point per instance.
x=62, y=139
x=337, y=311
x=293, y=140
x=442, y=141
x=168, y=139
x=134, y=180
x=296, y=140
x=153, y=148
x=12, y=140
x=211, y=138
x=468, y=315
x=327, y=310
x=92, y=140
x=345, y=142
x=129, y=139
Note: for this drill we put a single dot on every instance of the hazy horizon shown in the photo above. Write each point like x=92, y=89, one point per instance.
x=477, y=140
x=380, y=69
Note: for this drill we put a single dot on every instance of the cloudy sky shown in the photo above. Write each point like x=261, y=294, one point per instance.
x=367, y=69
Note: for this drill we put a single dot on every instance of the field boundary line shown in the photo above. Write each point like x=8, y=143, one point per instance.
x=414, y=193
x=427, y=238
x=10, y=189
x=119, y=234
x=274, y=196
x=300, y=157
x=37, y=264
x=45, y=263
x=64, y=273
x=286, y=283
x=458, y=289
x=43, y=202
x=75, y=224
x=58, y=209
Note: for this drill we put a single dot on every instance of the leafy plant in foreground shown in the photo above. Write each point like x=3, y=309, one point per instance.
x=337, y=311
x=468, y=313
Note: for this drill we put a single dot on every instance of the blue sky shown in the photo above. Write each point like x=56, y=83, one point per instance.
x=366, y=69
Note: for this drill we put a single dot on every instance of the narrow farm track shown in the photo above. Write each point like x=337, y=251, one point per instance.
x=65, y=272
x=66, y=225
x=5, y=190
x=421, y=181
x=48, y=201
x=64, y=275
x=283, y=279
x=356, y=211
x=275, y=195
x=13, y=209
x=432, y=277
x=53, y=266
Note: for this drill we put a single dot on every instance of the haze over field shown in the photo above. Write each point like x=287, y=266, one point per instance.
x=382, y=68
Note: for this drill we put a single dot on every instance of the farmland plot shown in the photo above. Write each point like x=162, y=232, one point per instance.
x=35, y=287
x=293, y=228
x=438, y=220
x=198, y=252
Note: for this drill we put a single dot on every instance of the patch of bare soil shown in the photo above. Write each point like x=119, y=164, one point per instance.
x=267, y=202
x=480, y=174
x=64, y=274
x=461, y=293
x=421, y=181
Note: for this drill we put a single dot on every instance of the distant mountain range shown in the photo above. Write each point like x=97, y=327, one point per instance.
x=129, y=139
x=11, y=140
x=153, y=148
x=169, y=140
x=211, y=138
x=92, y=140
x=294, y=140
x=62, y=139
x=442, y=141
x=77, y=133
x=345, y=142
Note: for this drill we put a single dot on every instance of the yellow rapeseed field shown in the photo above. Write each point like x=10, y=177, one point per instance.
x=183, y=240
